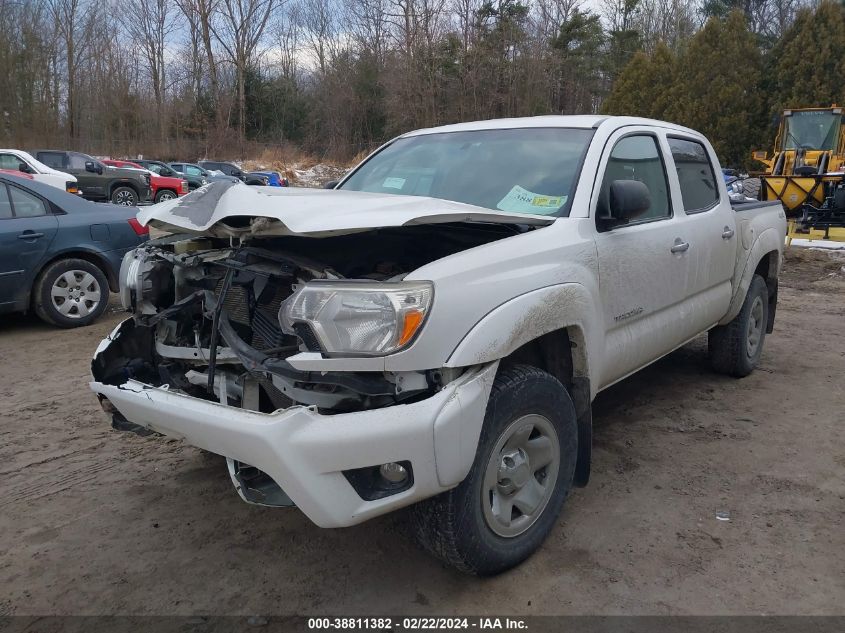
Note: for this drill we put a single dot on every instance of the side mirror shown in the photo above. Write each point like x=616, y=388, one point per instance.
x=94, y=168
x=626, y=201
x=23, y=167
x=331, y=184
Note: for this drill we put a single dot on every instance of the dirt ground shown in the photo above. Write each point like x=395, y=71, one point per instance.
x=93, y=521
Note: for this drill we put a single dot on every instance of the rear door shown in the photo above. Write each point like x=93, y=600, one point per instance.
x=643, y=265
x=27, y=228
x=710, y=233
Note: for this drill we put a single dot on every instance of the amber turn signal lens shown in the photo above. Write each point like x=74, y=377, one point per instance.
x=411, y=324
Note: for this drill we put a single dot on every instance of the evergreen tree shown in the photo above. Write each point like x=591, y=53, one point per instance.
x=717, y=91
x=645, y=85
x=807, y=68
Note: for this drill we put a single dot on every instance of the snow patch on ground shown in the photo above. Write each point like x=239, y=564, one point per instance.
x=316, y=175
x=825, y=244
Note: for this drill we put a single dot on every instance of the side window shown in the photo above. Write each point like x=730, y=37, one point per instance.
x=699, y=191
x=637, y=157
x=77, y=161
x=25, y=204
x=10, y=161
x=52, y=159
x=5, y=205
x=193, y=171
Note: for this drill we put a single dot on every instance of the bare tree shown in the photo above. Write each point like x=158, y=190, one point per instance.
x=74, y=22
x=240, y=29
x=150, y=23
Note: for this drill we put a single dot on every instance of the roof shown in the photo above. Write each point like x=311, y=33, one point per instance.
x=578, y=121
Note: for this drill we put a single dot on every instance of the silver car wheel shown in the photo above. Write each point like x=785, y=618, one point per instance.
x=75, y=294
x=520, y=476
x=755, y=327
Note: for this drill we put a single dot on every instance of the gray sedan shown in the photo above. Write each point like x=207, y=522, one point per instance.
x=60, y=254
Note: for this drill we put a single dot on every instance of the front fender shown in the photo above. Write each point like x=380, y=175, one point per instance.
x=529, y=316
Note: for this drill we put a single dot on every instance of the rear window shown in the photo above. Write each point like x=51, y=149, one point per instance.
x=5, y=205
x=25, y=204
x=699, y=191
x=55, y=160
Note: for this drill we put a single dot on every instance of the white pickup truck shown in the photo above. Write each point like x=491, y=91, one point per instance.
x=18, y=160
x=434, y=330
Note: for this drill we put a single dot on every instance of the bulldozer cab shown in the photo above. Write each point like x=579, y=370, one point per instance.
x=811, y=130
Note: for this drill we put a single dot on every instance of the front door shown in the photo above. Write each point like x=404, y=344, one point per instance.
x=643, y=265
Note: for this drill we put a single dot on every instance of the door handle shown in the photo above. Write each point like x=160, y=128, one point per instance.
x=30, y=235
x=679, y=246
x=727, y=233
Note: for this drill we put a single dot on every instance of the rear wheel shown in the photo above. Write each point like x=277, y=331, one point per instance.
x=523, y=471
x=124, y=196
x=165, y=194
x=735, y=348
x=71, y=293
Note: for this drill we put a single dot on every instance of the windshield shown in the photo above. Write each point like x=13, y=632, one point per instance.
x=813, y=129
x=527, y=170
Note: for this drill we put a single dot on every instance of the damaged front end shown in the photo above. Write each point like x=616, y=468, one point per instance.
x=218, y=322
x=207, y=358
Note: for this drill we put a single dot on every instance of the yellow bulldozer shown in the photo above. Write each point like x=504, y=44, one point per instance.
x=806, y=172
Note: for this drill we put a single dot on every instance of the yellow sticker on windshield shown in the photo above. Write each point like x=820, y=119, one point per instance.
x=520, y=200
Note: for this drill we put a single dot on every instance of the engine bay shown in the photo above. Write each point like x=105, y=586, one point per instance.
x=207, y=315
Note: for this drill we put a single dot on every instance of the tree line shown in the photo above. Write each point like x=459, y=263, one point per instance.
x=230, y=78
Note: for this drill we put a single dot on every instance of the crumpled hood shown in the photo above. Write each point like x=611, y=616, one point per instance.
x=227, y=209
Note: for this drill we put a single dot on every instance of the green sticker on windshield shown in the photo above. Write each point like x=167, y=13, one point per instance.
x=520, y=200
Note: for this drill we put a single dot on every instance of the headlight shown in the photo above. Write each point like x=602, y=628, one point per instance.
x=357, y=318
x=129, y=270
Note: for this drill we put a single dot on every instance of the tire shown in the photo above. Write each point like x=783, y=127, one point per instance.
x=124, y=196
x=165, y=194
x=461, y=526
x=71, y=308
x=735, y=348
x=751, y=188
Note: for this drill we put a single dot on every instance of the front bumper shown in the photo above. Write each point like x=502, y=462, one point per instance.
x=305, y=452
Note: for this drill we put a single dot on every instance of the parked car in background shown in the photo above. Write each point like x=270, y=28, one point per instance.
x=230, y=169
x=97, y=181
x=26, y=163
x=60, y=254
x=158, y=167
x=163, y=187
x=274, y=178
x=197, y=176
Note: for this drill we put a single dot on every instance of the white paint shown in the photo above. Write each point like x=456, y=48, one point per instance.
x=625, y=298
x=40, y=171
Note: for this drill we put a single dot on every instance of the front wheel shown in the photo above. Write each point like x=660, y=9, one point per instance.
x=735, y=348
x=124, y=196
x=522, y=473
